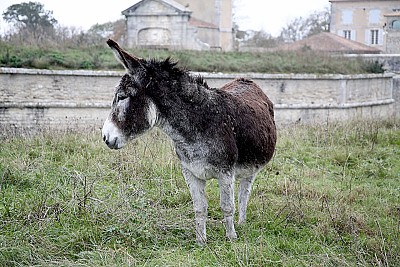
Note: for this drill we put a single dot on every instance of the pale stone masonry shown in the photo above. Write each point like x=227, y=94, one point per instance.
x=392, y=33
x=71, y=99
x=180, y=24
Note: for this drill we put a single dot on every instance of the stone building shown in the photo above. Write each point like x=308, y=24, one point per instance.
x=180, y=24
x=366, y=21
x=392, y=29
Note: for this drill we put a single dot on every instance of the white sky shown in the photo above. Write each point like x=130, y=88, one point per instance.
x=268, y=15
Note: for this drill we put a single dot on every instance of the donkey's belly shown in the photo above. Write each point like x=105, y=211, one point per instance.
x=205, y=171
x=201, y=169
x=247, y=171
x=195, y=158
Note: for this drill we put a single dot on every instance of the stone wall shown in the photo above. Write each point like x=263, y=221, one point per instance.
x=318, y=98
x=57, y=99
x=392, y=33
x=393, y=42
x=396, y=95
x=70, y=99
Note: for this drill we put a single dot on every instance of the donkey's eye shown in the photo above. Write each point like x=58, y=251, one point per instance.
x=121, y=97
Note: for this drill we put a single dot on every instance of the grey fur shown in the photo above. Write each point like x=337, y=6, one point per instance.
x=227, y=133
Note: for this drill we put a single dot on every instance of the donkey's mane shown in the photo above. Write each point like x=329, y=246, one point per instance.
x=157, y=67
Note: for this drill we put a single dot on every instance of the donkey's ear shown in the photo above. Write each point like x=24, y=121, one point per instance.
x=131, y=63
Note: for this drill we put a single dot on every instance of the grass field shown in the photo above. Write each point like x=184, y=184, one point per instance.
x=101, y=57
x=330, y=197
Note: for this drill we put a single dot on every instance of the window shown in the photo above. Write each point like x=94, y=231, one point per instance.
x=396, y=25
x=374, y=16
x=347, y=34
x=374, y=36
x=347, y=17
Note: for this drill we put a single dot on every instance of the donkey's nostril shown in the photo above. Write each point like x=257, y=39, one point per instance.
x=105, y=139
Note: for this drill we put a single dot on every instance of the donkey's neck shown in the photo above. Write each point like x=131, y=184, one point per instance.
x=184, y=106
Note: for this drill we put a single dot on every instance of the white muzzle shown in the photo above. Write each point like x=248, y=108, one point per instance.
x=112, y=135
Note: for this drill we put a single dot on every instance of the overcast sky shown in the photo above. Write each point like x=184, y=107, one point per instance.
x=266, y=15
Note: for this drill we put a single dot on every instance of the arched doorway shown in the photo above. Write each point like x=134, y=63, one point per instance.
x=154, y=37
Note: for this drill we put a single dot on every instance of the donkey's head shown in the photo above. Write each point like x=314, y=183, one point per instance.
x=132, y=112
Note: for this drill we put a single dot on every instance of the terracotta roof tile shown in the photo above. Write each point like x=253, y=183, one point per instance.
x=201, y=24
x=329, y=42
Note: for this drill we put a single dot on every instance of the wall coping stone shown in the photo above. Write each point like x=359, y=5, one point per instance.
x=277, y=106
x=253, y=75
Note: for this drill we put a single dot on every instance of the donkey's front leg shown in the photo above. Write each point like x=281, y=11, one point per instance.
x=197, y=191
x=227, y=202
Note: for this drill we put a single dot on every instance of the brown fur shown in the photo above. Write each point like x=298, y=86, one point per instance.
x=224, y=133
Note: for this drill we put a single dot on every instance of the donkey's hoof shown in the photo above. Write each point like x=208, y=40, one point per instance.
x=241, y=221
x=201, y=242
x=231, y=236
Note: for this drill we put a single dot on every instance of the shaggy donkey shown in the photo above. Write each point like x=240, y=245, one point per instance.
x=224, y=133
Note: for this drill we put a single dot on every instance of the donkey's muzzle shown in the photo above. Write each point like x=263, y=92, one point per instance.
x=113, y=144
x=112, y=136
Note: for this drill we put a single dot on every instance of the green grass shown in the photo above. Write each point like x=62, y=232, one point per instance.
x=330, y=197
x=101, y=57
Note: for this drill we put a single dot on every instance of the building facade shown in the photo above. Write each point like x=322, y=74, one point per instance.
x=180, y=24
x=365, y=21
x=392, y=29
x=217, y=13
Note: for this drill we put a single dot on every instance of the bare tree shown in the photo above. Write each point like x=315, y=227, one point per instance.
x=259, y=39
x=114, y=30
x=295, y=30
x=319, y=21
x=300, y=27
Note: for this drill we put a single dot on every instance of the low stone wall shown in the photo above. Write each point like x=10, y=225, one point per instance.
x=55, y=99
x=319, y=98
x=396, y=95
x=69, y=99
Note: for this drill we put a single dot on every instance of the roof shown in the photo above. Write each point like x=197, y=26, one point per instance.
x=393, y=14
x=357, y=0
x=171, y=3
x=201, y=24
x=329, y=42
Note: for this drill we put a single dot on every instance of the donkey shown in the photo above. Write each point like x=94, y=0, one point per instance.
x=227, y=133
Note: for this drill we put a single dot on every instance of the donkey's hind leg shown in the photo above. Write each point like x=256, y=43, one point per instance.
x=243, y=196
x=227, y=202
